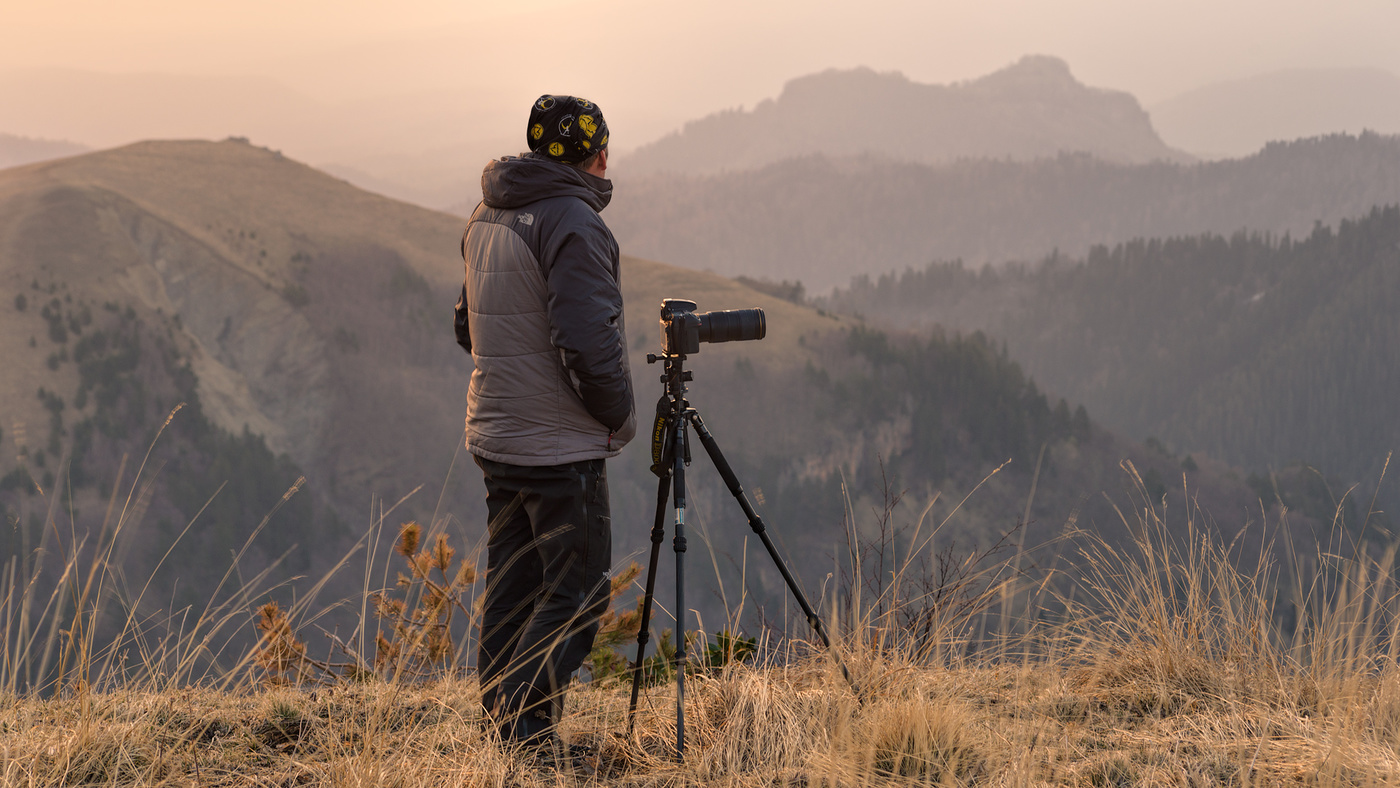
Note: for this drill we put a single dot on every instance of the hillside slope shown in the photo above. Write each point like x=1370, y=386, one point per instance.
x=1032, y=109
x=249, y=255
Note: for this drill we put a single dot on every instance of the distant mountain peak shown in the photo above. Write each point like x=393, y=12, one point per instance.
x=1041, y=64
x=1033, y=108
x=822, y=82
x=1030, y=73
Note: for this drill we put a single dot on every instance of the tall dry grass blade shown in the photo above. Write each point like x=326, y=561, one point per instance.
x=134, y=606
x=1006, y=595
x=126, y=506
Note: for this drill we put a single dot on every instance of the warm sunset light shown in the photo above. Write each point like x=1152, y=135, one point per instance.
x=741, y=393
x=658, y=63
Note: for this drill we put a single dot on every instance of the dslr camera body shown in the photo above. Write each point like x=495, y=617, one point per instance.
x=683, y=329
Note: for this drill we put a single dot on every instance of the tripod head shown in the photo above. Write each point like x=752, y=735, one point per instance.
x=669, y=408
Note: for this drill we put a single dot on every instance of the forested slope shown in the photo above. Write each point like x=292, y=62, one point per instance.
x=1256, y=349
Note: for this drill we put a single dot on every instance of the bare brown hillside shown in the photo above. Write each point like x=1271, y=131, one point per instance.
x=283, y=287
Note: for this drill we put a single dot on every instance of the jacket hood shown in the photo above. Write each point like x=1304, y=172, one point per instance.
x=516, y=181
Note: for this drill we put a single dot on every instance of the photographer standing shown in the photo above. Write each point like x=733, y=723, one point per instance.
x=550, y=399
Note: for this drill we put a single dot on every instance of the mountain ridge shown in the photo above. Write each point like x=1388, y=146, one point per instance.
x=1030, y=109
x=825, y=220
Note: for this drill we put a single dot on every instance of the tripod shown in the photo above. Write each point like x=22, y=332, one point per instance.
x=670, y=456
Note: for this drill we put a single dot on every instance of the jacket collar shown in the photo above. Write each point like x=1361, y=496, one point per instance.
x=515, y=181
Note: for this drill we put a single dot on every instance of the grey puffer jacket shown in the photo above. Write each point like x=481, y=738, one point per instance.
x=541, y=314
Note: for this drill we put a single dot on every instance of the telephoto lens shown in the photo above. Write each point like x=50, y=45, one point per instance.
x=683, y=330
x=732, y=325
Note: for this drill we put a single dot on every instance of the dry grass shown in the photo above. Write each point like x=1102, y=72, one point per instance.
x=1028, y=724
x=1163, y=664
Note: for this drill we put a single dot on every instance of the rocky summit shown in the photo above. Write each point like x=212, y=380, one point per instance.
x=1032, y=109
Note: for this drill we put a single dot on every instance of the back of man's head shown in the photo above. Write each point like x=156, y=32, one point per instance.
x=567, y=129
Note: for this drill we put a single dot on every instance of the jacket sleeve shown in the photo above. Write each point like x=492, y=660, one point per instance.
x=459, y=317
x=459, y=321
x=585, y=321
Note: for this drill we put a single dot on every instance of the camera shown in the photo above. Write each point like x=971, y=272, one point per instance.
x=683, y=329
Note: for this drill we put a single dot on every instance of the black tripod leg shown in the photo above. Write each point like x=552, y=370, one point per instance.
x=681, y=452
x=658, y=534
x=756, y=523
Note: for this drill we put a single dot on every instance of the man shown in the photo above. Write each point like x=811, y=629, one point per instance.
x=550, y=399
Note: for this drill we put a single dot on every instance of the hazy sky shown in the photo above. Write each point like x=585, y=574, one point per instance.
x=657, y=64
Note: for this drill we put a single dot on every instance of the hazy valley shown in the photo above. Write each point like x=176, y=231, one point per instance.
x=823, y=220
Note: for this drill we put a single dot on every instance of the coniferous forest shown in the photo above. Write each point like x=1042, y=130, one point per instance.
x=1263, y=351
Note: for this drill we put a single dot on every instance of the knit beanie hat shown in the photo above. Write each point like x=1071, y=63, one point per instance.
x=566, y=128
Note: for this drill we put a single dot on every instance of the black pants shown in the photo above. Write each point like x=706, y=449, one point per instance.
x=548, y=551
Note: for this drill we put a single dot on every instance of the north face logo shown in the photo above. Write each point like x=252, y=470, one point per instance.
x=526, y=219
